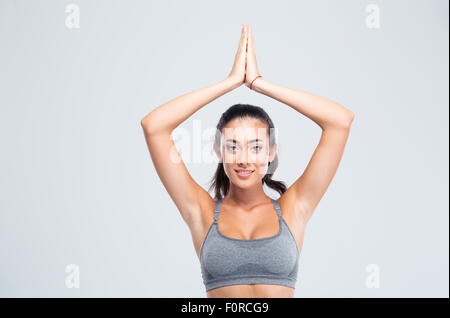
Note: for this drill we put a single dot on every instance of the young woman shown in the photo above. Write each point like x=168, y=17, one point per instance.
x=248, y=244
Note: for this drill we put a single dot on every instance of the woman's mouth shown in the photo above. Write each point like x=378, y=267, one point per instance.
x=243, y=173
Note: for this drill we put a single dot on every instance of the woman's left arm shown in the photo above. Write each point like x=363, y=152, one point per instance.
x=335, y=121
x=326, y=113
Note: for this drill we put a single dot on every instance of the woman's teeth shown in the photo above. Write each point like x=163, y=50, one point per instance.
x=244, y=173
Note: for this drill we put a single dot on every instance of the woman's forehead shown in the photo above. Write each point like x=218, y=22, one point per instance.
x=245, y=134
x=245, y=129
x=246, y=122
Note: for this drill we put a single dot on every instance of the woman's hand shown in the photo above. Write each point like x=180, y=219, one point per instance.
x=251, y=68
x=238, y=71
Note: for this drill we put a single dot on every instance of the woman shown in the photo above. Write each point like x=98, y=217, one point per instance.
x=252, y=249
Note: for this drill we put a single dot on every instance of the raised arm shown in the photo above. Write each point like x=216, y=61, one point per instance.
x=335, y=121
x=159, y=124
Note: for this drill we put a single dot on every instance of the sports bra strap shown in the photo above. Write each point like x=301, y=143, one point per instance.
x=277, y=207
x=217, y=209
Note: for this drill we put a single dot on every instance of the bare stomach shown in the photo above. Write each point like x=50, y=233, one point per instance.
x=251, y=291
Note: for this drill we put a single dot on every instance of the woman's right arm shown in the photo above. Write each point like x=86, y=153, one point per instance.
x=158, y=126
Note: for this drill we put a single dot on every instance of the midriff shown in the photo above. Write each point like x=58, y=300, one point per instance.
x=251, y=291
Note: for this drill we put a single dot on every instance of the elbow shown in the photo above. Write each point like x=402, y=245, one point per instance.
x=344, y=121
x=347, y=122
x=144, y=122
x=351, y=116
x=344, y=117
x=146, y=125
x=151, y=126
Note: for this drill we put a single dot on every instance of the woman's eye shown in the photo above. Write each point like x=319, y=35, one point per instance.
x=231, y=148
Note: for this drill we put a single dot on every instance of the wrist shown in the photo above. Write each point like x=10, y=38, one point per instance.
x=233, y=82
x=256, y=83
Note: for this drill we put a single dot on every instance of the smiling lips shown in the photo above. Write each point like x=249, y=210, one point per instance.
x=243, y=173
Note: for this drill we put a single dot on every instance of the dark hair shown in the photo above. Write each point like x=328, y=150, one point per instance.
x=220, y=181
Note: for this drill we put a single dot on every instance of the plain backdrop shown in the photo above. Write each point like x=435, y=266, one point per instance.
x=78, y=185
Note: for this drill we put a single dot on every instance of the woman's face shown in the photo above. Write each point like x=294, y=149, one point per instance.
x=245, y=151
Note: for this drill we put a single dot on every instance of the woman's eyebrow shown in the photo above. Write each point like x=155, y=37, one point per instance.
x=253, y=140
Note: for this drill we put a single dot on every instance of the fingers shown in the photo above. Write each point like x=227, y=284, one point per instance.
x=240, y=57
x=250, y=37
x=243, y=40
x=243, y=49
x=246, y=37
x=250, y=47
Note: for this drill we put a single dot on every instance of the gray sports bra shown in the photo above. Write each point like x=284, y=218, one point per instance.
x=230, y=261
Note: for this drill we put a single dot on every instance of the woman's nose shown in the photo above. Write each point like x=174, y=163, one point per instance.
x=242, y=156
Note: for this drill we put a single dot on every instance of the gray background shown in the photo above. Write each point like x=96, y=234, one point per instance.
x=78, y=185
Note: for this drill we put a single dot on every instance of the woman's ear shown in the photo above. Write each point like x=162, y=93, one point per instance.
x=217, y=151
x=273, y=152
